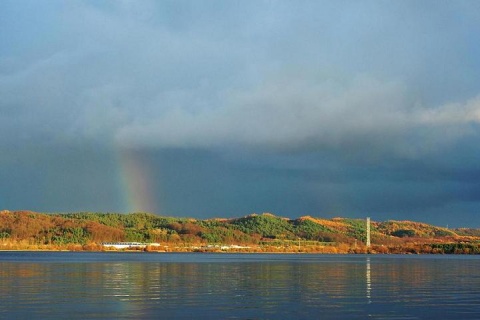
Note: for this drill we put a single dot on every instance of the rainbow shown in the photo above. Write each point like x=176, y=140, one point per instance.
x=137, y=183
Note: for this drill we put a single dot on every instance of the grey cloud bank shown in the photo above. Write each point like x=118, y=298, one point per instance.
x=321, y=108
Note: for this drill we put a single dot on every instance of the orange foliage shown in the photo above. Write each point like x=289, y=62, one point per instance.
x=334, y=223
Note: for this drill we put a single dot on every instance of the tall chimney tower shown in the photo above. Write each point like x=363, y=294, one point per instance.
x=368, y=232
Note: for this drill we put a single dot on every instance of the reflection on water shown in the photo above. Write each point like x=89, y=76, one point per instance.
x=239, y=286
x=368, y=280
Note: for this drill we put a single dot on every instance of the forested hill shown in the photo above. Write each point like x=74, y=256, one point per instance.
x=94, y=228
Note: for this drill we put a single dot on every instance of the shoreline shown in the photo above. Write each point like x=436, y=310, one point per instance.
x=235, y=252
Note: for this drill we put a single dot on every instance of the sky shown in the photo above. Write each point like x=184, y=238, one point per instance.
x=210, y=109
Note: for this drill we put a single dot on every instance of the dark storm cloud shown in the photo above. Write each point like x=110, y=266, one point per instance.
x=59, y=178
x=326, y=108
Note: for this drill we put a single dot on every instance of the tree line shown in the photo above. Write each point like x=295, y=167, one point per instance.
x=91, y=229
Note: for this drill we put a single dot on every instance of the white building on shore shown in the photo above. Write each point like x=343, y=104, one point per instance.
x=128, y=245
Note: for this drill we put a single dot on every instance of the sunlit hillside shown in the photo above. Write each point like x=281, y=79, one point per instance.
x=264, y=232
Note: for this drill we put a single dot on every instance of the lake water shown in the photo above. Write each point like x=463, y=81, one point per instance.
x=46, y=285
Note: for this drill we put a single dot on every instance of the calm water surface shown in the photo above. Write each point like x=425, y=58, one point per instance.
x=46, y=285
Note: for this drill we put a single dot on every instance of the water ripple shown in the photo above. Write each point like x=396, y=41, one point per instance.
x=240, y=286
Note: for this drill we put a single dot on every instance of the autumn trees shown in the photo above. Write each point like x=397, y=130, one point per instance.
x=87, y=230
